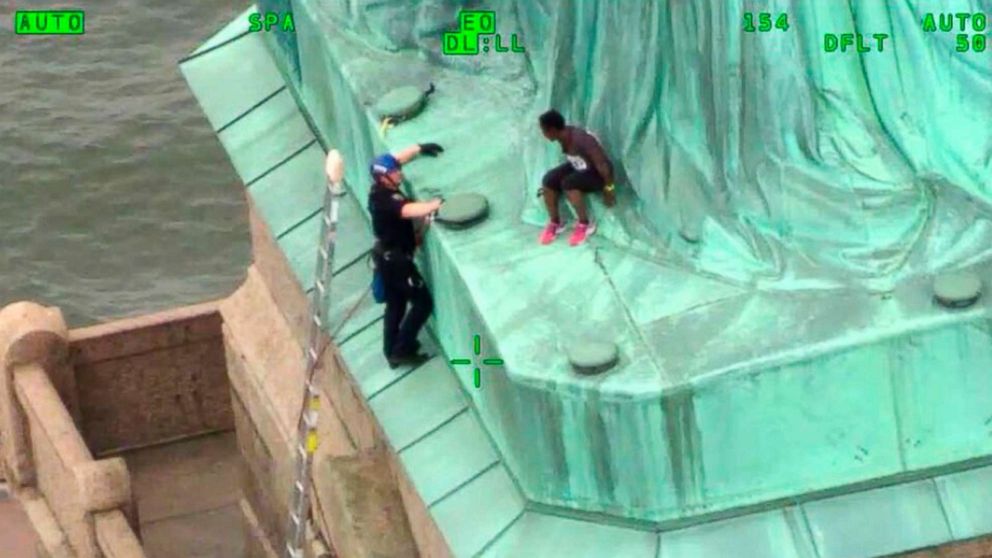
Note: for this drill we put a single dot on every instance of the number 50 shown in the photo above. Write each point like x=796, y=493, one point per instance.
x=977, y=43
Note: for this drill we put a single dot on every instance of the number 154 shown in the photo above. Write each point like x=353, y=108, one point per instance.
x=765, y=22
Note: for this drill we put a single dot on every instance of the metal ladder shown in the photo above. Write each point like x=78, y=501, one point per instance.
x=307, y=426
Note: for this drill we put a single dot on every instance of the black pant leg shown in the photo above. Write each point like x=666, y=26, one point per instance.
x=397, y=296
x=422, y=304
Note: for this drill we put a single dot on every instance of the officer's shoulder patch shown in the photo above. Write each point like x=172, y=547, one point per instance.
x=399, y=197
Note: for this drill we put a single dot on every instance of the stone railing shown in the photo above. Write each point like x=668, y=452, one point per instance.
x=79, y=506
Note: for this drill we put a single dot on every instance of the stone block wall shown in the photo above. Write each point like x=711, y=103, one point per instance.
x=264, y=335
x=151, y=379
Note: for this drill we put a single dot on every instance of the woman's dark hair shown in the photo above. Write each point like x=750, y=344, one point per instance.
x=553, y=120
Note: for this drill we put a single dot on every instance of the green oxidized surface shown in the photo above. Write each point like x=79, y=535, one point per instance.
x=760, y=362
x=795, y=346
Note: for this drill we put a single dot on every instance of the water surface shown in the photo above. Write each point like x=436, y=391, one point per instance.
x=116, y=198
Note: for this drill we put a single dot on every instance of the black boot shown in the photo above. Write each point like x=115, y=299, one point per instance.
x=413, y=359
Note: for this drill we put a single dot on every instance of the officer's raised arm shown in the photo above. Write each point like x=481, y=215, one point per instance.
x=407, y=154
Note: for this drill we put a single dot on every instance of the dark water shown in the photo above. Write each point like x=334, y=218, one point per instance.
x=115, y=196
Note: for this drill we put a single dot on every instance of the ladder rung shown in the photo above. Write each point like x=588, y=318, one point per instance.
x=309, y=418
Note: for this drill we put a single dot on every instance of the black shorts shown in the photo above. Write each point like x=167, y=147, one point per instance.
x=565, y=177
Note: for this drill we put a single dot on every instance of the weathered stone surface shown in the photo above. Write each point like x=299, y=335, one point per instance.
x=256, y=542
x=187, y=477
x=265, y=369
x=975, y=548
x=151, y=378
x=258, y=477
x=273, y=268
x=147, y=398
x=52, y=541
x=207, y=534
x=142, y=334
x=347, y=402
x=429, y=539
x=115, y=537
x=265, y=366
x=188, y=494
x=127, y=365
x=274, y=363
x=102, y=485
x=17, y=538
x=360, y=504
x=29, y=334
x=56, y=448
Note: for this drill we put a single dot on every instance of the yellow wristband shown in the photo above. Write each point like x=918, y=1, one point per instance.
x=609, y=188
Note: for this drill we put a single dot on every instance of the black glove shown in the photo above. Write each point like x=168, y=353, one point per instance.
x=431, y=149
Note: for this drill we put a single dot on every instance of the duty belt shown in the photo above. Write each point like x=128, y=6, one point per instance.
x=391, y=254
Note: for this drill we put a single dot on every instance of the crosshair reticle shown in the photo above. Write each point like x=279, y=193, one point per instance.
x=477, y=373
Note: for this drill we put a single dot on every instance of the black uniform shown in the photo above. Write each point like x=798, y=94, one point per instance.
x=396, y=242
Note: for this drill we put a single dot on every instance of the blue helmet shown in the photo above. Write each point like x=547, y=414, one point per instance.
x=384, y=164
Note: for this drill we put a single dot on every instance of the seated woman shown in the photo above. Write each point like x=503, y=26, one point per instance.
x=588, y=170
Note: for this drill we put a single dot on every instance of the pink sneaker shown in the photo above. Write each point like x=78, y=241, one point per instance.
x=581, y=233
x=551, y=232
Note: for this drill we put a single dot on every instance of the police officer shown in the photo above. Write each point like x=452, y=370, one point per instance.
x=393, y=216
